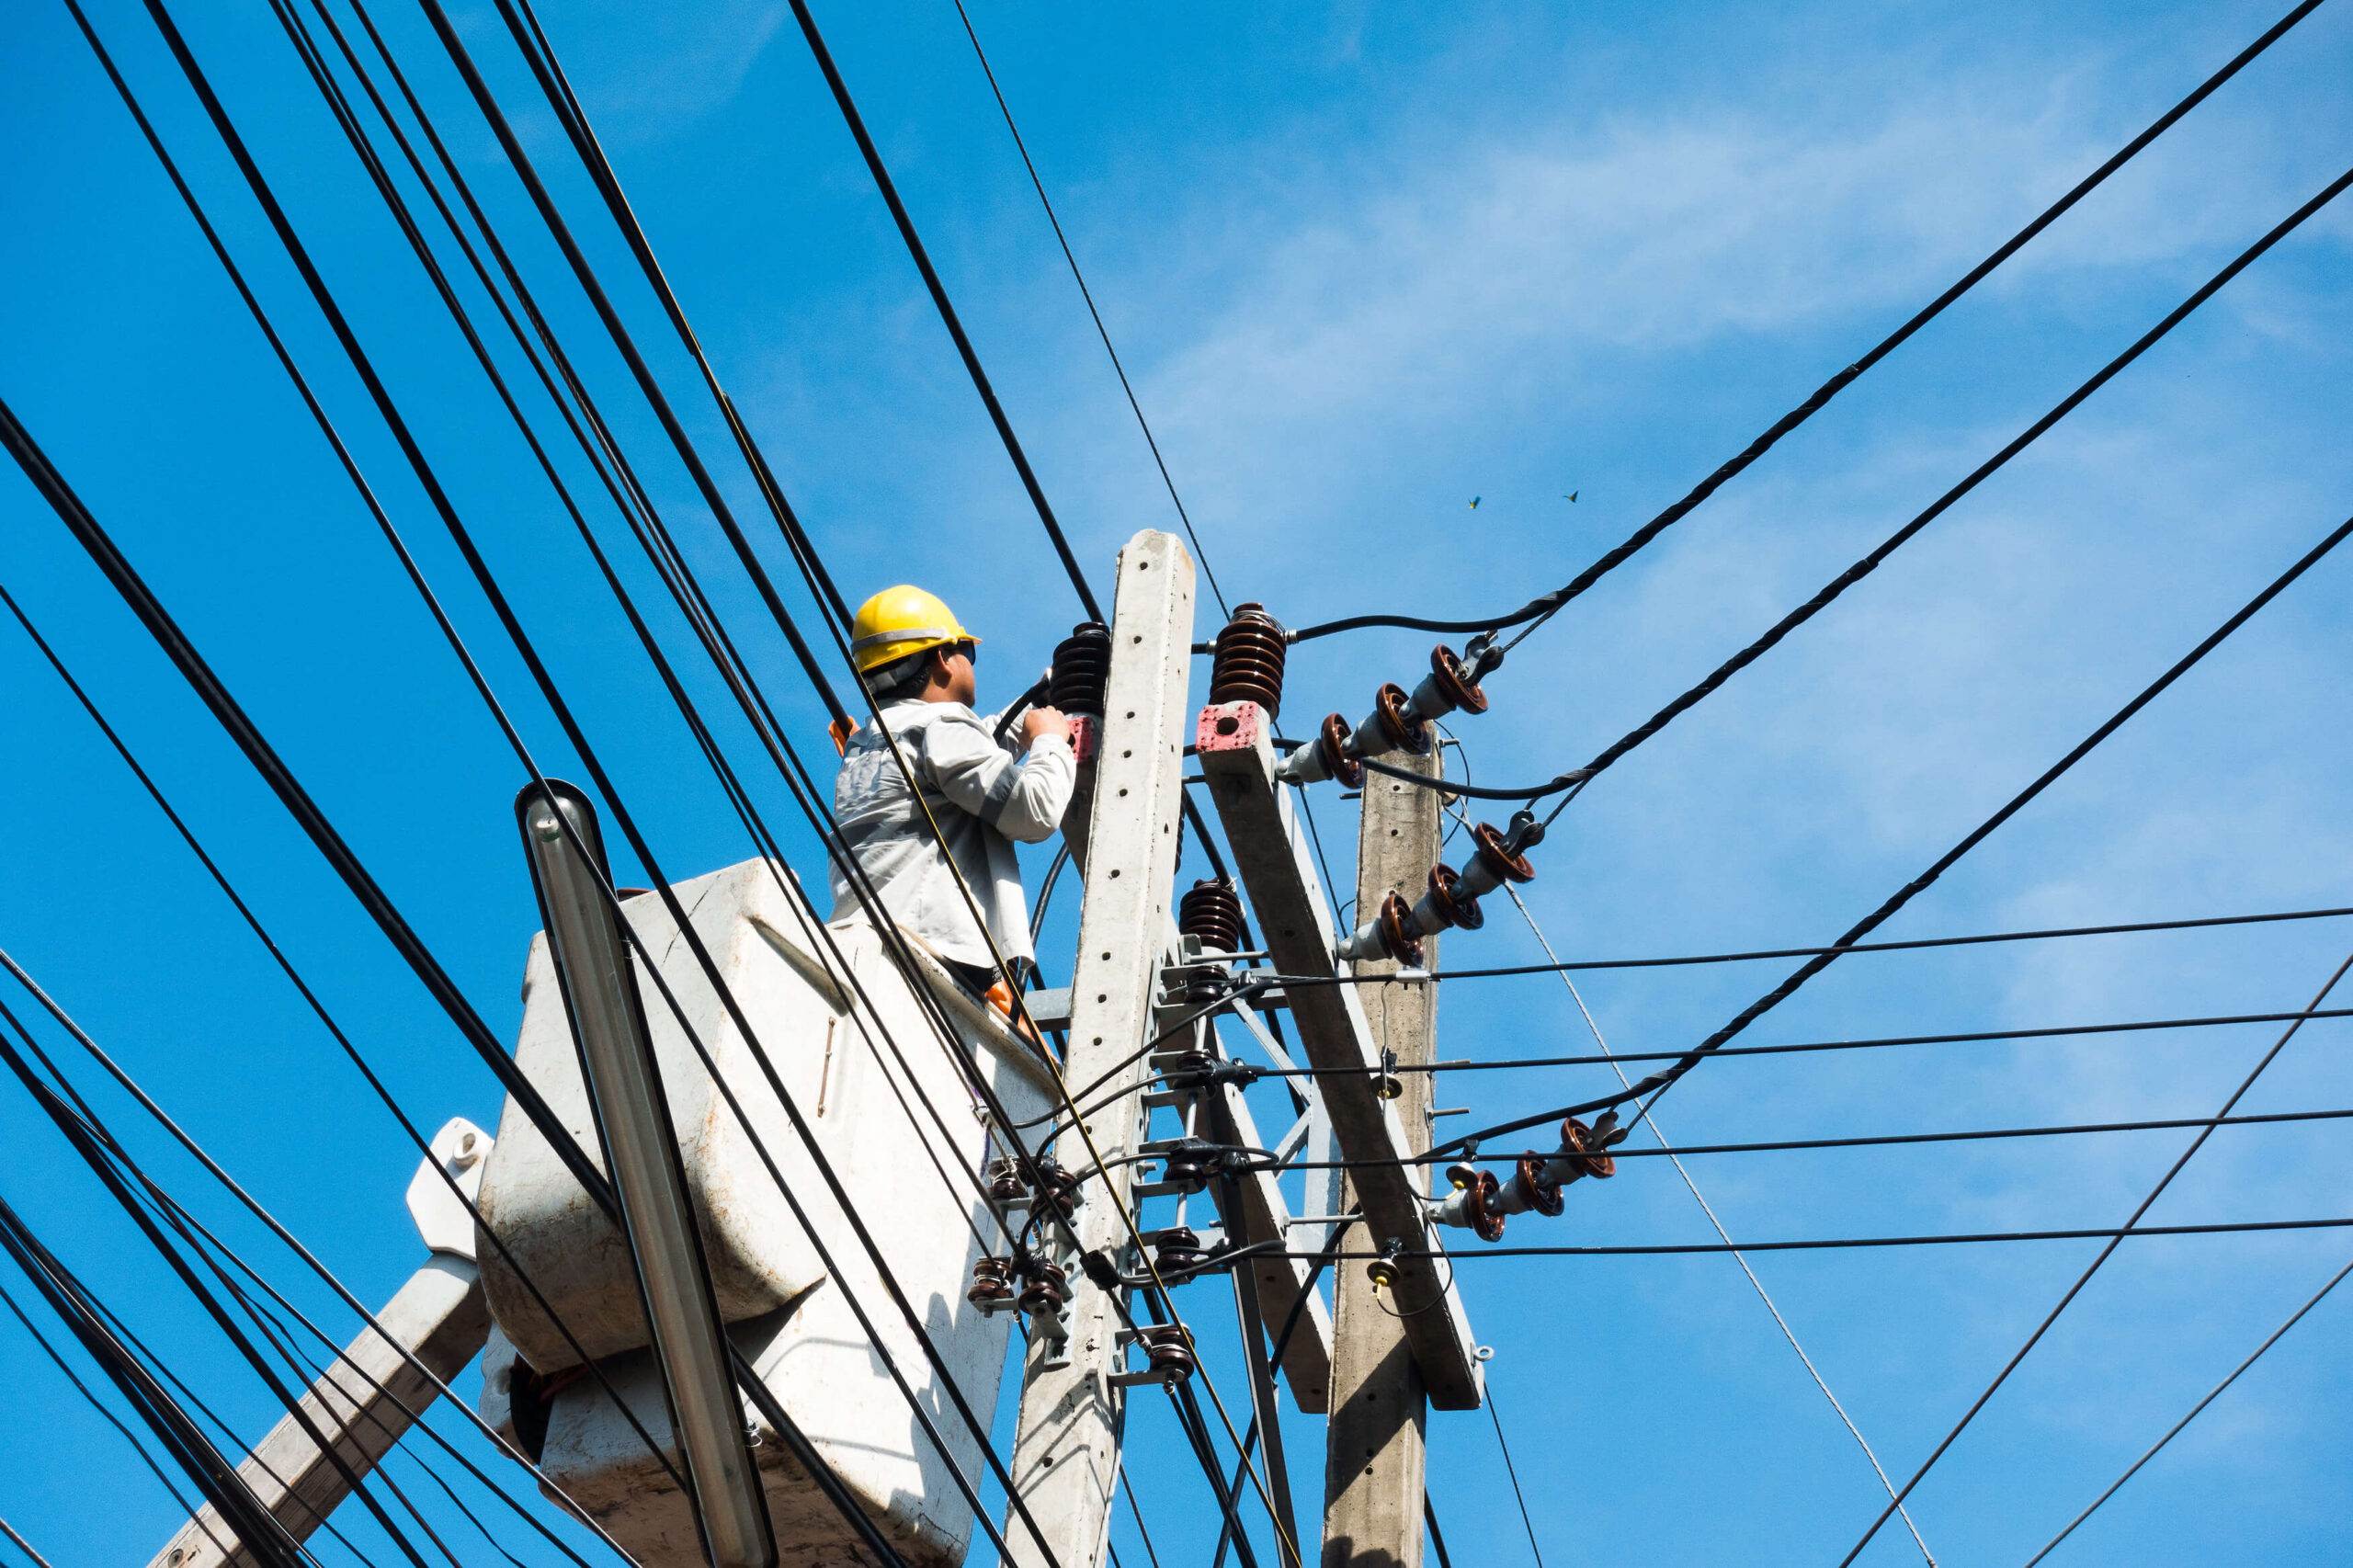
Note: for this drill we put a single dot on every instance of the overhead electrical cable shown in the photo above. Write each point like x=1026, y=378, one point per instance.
x=2175, y=1431
x=1464, y=1064
x=647, y=384
x=281, y=780
x=754, y=1388
x=293, y=1244
x=1541, y=610
x=1571, y=784
x=2113, y=1235
x=1511, y=1472
x=939, y=291
x=1093, y=313
x=1659, y=1083
x=81, y=1132
x=2114, y=1241
x=1772, y=1307
x=654, y=871
x=210, y=1250
x=135, y=592
x=256, y=1529
x=540, y=56
x=676, y=576
x=89, y=1397
x=1557, y=967
x=415, y=1136
x=456, y=49
x=223, y=706
x=674, y=569
x=490, y=111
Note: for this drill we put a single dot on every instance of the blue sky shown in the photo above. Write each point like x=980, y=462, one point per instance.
x=1364, y=265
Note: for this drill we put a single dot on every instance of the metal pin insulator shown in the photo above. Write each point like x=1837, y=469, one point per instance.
x=1474, y=1207
x=1057, y=1190
x=1189, y=1163
x=1392, y=934
x=1168, y=1350
x=1046, y=1289
x=1005, y=1185
x=992, y=1282
x=1331, y=755
x=1177, y=1251
x=1537, y=1180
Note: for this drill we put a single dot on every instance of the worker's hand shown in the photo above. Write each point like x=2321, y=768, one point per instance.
x=1043, y=722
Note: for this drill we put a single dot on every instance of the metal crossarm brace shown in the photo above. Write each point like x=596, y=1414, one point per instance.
x=1235, y=743
x=1280, y=1281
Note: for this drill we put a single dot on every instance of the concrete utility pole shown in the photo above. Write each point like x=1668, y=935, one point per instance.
x=1373, y=1467
x=1066, y=1449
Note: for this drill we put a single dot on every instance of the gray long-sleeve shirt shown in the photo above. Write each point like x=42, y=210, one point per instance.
x=982, y=799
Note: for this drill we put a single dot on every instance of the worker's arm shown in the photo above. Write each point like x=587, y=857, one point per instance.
x=1023, y=800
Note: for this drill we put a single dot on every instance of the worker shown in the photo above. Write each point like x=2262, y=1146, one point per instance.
x=985, y=794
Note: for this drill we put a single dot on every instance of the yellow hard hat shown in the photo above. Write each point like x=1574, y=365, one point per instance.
x=899, y=621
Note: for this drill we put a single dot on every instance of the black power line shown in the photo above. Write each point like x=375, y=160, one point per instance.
x=1875, y=1140
x=755, y=1389
x=1101, y=330
x=1966, y=1037
x=2115, y=1240
x=1662, y=1082
x=939, y=290
x=1543, y=608
x=2113, y=1236
x=668, y=561
x=2216, y=1393
x=1571, y=784
x=256, y=1529
x=1919, y=942
x=2018, y=443
x=90, y=1398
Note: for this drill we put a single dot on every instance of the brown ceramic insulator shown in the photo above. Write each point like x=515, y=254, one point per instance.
x=1582, y=1152
x=1168, y=1350
x=1507, y=865
x=1396, y=931
x=1190, y=1062
x=1205, y=985
x=1248, y=664
x=1048, y=1290
x=1212, y=911
x=1542, y=1196
x=1454, y=906
x=1447, y=670
x=1177, y=1251
x=1005, y=1185
x=1406, y=730
x=1334, y=740
x=1082, y=666
x=1189, y=1163
x=992, y=1281
x=1057, y=1189
x=1485, y=1210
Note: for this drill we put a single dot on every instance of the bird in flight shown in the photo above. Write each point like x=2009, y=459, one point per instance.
x=1474, y=503
x=1571, y=496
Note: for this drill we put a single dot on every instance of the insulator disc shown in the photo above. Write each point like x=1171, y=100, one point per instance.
x=1248, y=664
x=1212, y=911
x=1082, y=668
